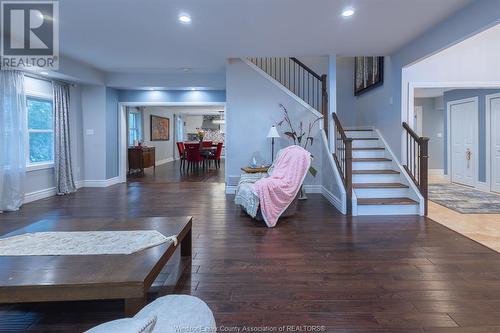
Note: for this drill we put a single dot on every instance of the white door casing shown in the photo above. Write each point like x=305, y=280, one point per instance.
x=462, y=141
x=493, y=141
x=418, y=115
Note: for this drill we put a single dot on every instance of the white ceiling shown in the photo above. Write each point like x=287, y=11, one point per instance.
x=145, y=36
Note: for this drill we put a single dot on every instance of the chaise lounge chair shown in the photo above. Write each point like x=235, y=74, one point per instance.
x=269, y=196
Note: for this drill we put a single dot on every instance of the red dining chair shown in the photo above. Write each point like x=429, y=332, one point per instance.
x=218, y=153
x=193, y=155
x=182, y=153
x=207, y=144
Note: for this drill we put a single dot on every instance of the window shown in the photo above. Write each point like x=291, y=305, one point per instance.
x=40, y=131
x=134, y=127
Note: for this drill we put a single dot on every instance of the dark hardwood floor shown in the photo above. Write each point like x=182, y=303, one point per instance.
x=351, y=275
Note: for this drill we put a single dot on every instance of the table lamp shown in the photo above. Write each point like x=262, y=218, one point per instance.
x=273, y=133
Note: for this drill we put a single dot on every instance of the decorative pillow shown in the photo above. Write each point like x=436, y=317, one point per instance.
x=126, y=325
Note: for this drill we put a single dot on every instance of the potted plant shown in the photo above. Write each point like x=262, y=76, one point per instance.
x=200, y=133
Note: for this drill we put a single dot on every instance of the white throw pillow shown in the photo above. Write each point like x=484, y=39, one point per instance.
x=126, y=325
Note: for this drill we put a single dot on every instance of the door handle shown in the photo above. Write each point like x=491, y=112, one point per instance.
x=468, y=155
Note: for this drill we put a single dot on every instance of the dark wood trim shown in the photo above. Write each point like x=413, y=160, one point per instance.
x=417, y=162
x=301, y=64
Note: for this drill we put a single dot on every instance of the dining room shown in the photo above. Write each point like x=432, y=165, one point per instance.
x=173, y=143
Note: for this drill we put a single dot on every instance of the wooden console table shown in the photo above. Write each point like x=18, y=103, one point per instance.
x=140, y=158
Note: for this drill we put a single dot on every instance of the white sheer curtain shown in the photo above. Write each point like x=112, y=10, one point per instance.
x=12, y=140
x=180, y=128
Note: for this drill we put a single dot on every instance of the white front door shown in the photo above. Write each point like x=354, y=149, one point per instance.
x=463, y=136
x=495, y=143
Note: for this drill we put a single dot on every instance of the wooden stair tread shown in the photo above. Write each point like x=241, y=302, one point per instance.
x=375, y=172
x=379, y=185
x=386, y=201
x=358, y=130
x=364, y=138
x=371, y=159
x=369, y=148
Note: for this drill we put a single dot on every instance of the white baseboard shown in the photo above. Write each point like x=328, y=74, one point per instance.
x=230, y=189
x=336, y=202
x=166, y=160
x=38, y=195
x=102, y=183
x=436, y=172
x=313, y=188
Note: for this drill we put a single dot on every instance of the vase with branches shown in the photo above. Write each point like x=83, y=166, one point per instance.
x=300, y=137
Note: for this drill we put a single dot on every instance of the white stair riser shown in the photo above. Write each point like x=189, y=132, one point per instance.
x=388, y=210
x=361, y=134
x=382, y=192
x=368, y=153
x=365, y=143
x=372, y=165
x=376, y=178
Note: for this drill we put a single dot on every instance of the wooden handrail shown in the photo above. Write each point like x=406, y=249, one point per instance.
x=410, y=131
x=300, y=80
x=301, y=64
x=343, y=159
x=417, y=159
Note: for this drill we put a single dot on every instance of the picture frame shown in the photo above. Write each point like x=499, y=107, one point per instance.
x=159, y=128
x=368, y=74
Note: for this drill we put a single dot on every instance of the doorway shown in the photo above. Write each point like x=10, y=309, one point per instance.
x=463, y=152
x=493, y=112
x=162, y=143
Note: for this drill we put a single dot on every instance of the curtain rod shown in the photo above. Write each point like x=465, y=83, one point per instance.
x=39, y=77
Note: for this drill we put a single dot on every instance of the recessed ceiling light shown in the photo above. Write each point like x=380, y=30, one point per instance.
x=44, y=73
x=193, y=89
x=184, y=19
x=348, y=12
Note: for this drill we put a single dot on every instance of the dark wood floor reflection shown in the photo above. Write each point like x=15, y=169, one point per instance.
x=352, y=275
x=172, y=172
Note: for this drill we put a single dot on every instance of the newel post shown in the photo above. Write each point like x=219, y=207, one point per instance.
x=348, y=174
x=324, y=103
x=424, y=171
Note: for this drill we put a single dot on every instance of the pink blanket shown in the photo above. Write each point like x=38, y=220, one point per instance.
x=277, y=191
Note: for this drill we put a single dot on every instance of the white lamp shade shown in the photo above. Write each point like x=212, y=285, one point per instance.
x=273, y=133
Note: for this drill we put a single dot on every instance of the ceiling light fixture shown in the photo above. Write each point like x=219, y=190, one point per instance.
x=184, y=19
x=193, y=89
x=44, y=73
x=348, y=12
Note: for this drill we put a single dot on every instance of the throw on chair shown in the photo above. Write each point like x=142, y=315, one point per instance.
x=272, y=195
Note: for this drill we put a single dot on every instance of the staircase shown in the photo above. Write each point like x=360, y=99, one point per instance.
x=374, y=183
x=378, y=184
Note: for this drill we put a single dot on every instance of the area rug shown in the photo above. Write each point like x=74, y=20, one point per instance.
x=464, y=200
x=75, y=243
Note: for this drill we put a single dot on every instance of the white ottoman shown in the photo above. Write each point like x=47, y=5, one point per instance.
x=168, y=314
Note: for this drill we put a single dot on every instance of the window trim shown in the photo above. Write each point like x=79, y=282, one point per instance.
x=37, y=165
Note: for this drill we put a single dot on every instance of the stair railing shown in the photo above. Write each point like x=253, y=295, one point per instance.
x=342, y=154
x=417, y=156
x=299, y=79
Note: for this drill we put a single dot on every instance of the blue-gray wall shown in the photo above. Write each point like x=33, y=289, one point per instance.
x=432, y=126
x=381, y=107
x=172, y=96
x=458, y=94
x=111, y=133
